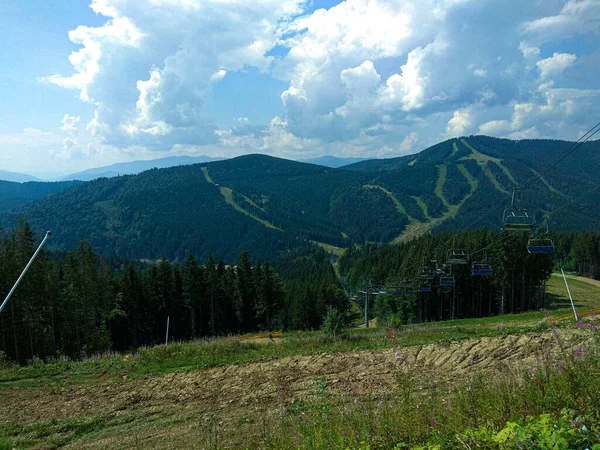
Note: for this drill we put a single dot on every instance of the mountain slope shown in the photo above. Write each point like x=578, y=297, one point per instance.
x=135, y=167
x=14, y=195
x=269, y=204
x=16, y=177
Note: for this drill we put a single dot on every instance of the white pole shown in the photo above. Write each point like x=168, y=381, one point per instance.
x=167, y=337
x=14, y=288
x=569, y=291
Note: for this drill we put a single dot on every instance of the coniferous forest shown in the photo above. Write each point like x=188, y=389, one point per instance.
x=79, y=304
x=516, y=282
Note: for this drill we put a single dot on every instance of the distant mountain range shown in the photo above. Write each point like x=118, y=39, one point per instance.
x=332, y=161
x=135, y=167
x=270, y=205
x=16, y=177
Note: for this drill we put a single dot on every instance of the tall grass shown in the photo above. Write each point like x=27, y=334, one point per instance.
x=556, y=401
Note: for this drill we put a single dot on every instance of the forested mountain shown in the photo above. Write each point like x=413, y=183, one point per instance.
x=13, y=195
x=18, y=177
x=269, y=204
x=135, y=167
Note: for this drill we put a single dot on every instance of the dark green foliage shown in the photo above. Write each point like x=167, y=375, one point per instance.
x=270, y=205
x=516, y=284
x=77, y=305
x=13, y=195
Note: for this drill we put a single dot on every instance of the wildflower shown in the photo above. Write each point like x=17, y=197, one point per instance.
x=435, y=422
x=578, y=352
x=592, y=325
x=592, y=314
x=579, y=323
x=576, y=424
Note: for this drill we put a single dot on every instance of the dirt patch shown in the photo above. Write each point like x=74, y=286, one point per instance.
x=238, y=393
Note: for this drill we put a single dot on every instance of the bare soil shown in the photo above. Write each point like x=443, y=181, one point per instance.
x=243, y=395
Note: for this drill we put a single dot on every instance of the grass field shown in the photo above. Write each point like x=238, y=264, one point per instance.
x=231, y=392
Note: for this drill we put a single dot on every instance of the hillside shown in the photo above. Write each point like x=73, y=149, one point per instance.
x=13, y=195
x=263, y=203
x=269, y=204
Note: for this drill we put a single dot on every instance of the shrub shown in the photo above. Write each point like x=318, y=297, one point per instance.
x=334, y=324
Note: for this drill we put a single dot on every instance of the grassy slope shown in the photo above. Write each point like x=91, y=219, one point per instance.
x=221, y=352
x=92, y=427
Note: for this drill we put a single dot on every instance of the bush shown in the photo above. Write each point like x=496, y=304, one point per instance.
x=334, y=324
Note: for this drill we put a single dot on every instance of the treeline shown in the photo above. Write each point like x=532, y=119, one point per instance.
x=515, y=285
x=578, y=252
x=78, y=304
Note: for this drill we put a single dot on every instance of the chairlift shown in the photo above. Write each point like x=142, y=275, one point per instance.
x=536, y=246
x=447, y=281
x=425, y=286
x=540, y=243
x=427, y=273
x=446, y=277
x=517, y=219
x=457, y=256
x=481, y=268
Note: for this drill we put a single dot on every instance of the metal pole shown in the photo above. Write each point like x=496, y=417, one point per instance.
x=167, y=337
x=14, y=288
x=367, y=306
x=569, y=291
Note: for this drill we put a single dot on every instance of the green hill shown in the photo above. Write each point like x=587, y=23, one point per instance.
x=269, y=204
x=13, y=194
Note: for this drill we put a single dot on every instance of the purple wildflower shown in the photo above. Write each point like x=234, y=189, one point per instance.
x=578, y=352
x=579, y=323
x=576, y=424
x=592, y=314
x=592, y=325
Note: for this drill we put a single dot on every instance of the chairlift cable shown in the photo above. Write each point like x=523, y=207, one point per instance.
x=559, y=158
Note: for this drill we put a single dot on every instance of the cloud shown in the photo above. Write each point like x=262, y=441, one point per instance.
x=459, y=124
x=555, y=65
x=69, y=123
x=150, y=67
x=409, y=142
x=364, y=77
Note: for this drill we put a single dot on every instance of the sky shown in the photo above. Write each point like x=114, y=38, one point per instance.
x=89, y=84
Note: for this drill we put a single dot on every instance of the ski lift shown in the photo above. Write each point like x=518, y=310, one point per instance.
x=407, y=287
x=541, y=243
x=425, y=285
x=446, y=277
x=447, y=281
x=427, y=273
x=457, y=256
x=517, y=219
x=481, y=268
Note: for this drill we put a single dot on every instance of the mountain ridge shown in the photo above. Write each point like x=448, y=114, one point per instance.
x=272, y=204
x=16, y=177
x=135, y=167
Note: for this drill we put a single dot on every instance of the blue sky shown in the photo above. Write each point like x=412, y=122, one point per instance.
x=85, y=84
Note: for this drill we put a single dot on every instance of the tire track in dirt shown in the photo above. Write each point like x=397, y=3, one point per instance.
x=237, y=391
